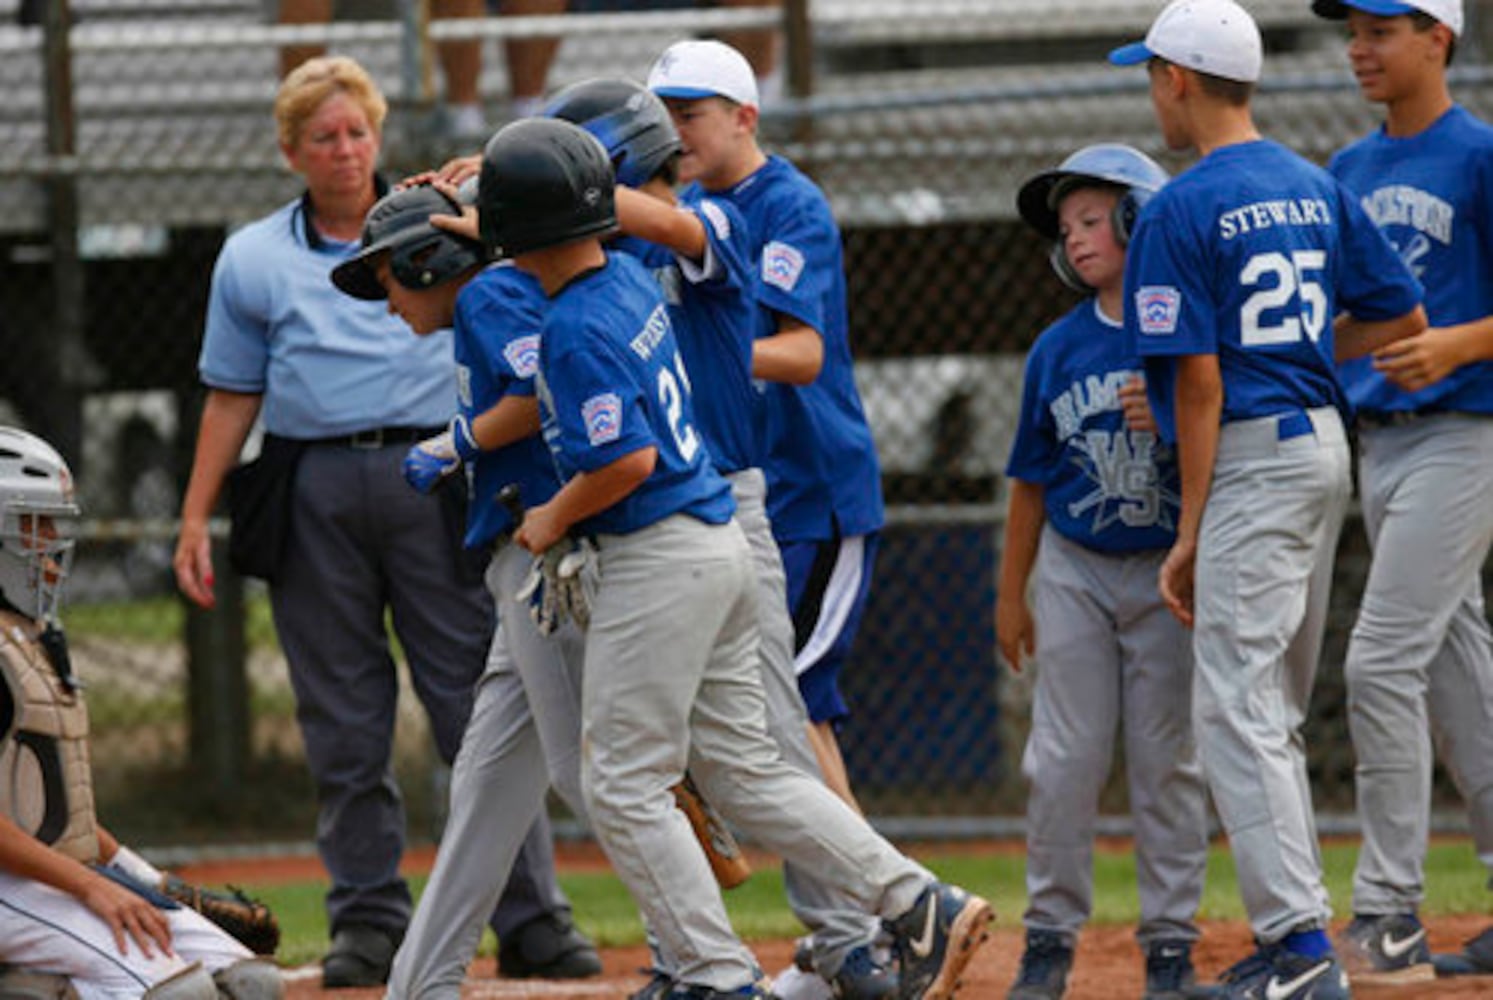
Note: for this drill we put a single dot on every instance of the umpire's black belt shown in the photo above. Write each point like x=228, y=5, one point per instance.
x=379, y=437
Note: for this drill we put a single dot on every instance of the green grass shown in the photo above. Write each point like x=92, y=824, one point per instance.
x=1454, y=883
x=159, y=620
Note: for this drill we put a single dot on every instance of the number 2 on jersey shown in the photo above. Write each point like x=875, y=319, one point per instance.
x=672, y=398
x=1294, y=276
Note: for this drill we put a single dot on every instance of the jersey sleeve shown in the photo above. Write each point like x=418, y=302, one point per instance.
x=598, y=407
x=796, y=265
x=235, y=341
x=1034, y=449
x=1374, y=283
x=1169, y=308
x=726, y=267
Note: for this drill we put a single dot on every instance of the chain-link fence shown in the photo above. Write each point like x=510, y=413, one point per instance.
x=132, y=144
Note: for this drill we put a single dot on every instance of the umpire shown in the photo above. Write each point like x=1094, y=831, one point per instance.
x=343, y=390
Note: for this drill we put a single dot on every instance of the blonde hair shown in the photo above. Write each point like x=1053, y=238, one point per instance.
x=305, y=88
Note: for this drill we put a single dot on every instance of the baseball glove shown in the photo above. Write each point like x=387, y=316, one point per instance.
x=246, y=919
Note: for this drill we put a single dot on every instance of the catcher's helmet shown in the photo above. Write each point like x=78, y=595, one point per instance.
x=627, y=118
x=544, y=182
x=35, y=484
x=420, y=255
x=1136, y=175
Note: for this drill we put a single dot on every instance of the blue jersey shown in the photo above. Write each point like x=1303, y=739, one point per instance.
x=1249, y=255
x=713, y=309
x=498, y=317
x=822, y=473
x=1105, y=487
x=1432, y=195
x=611, y=382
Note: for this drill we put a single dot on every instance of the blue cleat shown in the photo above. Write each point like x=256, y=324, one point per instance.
x=936, y=938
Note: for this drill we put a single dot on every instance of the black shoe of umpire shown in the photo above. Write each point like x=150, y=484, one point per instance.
x=360, y=956
x=547, y=947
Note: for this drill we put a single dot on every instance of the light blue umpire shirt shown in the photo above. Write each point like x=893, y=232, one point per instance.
x=327, y=364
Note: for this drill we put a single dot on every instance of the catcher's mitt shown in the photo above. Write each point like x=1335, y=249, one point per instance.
x=246, y=919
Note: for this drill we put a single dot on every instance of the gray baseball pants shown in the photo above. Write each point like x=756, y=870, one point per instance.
x=1264, y=570
x=524, y=736
x=823, y=907
x=1110, y=653
x=361, y=541
x=673, y=680
x=1421, y=647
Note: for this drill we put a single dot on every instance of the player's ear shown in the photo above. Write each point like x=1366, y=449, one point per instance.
x=747, y=116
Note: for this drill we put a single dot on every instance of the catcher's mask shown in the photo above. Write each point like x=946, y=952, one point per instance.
x=38, y=524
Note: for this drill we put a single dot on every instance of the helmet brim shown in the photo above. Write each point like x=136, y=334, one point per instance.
x=358, y=277
x=1034, y=204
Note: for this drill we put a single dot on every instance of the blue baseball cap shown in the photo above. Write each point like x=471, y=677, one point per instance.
x=1448, y=12
x=1217, y=37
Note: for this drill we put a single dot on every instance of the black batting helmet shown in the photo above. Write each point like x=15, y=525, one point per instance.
x=544, y=182
x=627, y=118
x=420, y=255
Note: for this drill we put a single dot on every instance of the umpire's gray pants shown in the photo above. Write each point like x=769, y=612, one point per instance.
x=673, y=680
x=362, y=543
x=1421, y=641
x=823, y=906
x=1109, y=653
x=1264, y=570
x=524, y=736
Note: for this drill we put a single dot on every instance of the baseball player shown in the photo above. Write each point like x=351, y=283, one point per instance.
x=1420, y=655
x=671, y=675
x=1094, y=510
x=702, y=259
x=524, y=732
x=823, y=477
x=1234, y=274
x=79, y=916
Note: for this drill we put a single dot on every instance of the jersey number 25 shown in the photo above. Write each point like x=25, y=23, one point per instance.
x=1296, y=275
x=671, y=397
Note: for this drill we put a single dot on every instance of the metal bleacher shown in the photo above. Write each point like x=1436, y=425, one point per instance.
x=922, y=111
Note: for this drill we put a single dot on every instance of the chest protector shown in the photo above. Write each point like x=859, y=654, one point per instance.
x=46, y=783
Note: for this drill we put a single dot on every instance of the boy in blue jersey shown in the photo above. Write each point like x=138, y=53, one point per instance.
x=823, y=477
x=700, y=255
x=671, y=676
x=526, y=710
x=1094, y=510
x=1420, y=655
x=1234, y=275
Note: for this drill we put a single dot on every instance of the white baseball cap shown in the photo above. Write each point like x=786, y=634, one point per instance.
x=693, y=69
x=1448, y=12
x=1217, y=37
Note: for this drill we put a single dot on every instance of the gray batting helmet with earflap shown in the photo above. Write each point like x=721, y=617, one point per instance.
x=36, y=493
x=420, y=255
x=1107, y=163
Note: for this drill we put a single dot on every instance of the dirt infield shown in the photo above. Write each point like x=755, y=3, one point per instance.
x=1108, y=966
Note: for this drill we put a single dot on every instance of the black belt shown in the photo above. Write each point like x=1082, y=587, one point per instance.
x=1377, y=419
x=380, y=437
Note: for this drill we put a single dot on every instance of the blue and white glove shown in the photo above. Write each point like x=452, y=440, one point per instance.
x=541, y=590
x=435, y=458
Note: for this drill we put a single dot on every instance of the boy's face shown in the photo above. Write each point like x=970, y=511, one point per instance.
x=1086, y=230
x=1390, y=58
x=711, y=133
x=425, y=310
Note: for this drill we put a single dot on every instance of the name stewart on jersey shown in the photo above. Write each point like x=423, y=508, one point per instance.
x=1276, y=212
x=652, y=333
x=1086, y=397
x=1400, y=204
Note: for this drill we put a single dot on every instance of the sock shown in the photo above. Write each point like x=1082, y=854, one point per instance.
x=1312, y=944
x=527, y=107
